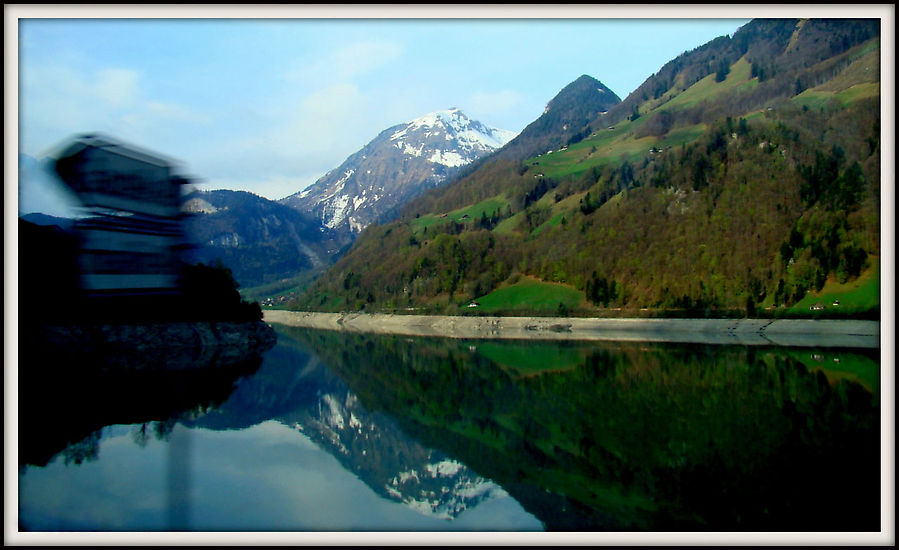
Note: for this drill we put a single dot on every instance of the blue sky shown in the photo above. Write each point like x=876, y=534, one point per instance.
x=270, y=105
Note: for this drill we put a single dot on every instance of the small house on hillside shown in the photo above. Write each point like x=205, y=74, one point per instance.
x=132, y=237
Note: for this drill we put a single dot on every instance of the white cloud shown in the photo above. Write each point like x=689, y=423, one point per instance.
x=174, y=111
x=291, y=146
x=364, y=57
x=325, y=116
x=491, y=107
x=56, y=102
x=274, y=145
x=117, y=87
x=41, y=191
x=347, y=63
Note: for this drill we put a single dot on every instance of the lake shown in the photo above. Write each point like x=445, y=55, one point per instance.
x=349, y=432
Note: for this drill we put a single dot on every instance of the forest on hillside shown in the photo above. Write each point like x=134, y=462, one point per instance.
x=774, y=191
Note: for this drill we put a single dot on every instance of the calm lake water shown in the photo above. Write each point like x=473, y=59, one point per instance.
x=332, y=431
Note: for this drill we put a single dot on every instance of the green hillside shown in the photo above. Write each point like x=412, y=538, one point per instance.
x=741, y=179
x=531, y=294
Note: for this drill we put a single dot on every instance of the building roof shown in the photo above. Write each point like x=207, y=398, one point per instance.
x=151, y=188
x=98, y=141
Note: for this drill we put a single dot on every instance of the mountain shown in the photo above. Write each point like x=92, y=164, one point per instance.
x=400, y=163
x=260, y=240
x=744, y=176
x=565, y=119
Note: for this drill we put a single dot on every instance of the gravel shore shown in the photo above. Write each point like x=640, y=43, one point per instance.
x=783, y=332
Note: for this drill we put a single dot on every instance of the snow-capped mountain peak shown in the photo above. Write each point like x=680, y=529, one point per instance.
x=400, y=163
x=454, y=124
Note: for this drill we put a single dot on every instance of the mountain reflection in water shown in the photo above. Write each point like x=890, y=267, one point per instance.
x=639, y=436
x=340, y=431
x=286, y=447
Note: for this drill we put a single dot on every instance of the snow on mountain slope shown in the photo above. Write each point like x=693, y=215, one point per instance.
x=400, y=163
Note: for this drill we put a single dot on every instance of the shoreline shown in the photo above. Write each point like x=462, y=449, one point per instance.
x=778, y=332
x=148, y=346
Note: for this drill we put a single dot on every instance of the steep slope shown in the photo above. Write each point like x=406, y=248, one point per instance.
x=260, y=240
x=744, y=175
x=401, y=162
x=566, y=119
x=774, y=59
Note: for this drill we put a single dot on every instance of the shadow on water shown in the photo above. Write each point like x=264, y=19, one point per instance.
x=638, y=436
x=74, y=399
x=65, y=404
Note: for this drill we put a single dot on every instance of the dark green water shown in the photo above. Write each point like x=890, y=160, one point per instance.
x=332, y=431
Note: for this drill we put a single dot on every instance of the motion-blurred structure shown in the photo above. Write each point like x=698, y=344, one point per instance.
x=132, y=239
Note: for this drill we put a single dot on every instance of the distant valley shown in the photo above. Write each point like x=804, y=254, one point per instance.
x=260, y=240
x=295, y=238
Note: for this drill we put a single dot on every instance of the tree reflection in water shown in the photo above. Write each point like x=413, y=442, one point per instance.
x=637, y=436
x=65, y=402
